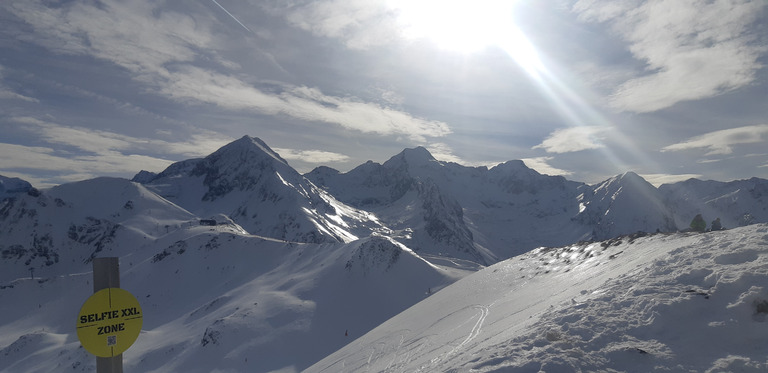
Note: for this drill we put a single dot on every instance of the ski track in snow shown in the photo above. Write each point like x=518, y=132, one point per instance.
x=482, y=315
x=663, y=303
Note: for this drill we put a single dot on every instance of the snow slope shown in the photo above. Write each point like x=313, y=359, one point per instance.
x=252, y=185
x=480, y=214
x=736, y=203
x=291, y=272
x=213, y=297
x=58, y=231
x=13, y=186
x=223, y=301
x=485, y=214
x=605, y=207
x=660, y=303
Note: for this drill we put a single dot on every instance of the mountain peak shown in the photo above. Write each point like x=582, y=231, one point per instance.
x=144, y=177
x=248, y=144
x=630, y=175
x=241, y=165
x=628, y=178
x=418, y=152
x=10, y=186
x=417, y=156
x=513, y=166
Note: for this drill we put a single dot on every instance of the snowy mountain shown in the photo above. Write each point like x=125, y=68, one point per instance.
x=214, y=297
x=736, y=203
x=419, y=213
x=605, y=207
x=252, y=185
x=58, y=231
x=243, y=264
x=659, y=303
x=483, y=214
x=13, y=186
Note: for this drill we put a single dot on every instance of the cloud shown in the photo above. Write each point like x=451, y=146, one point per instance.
x=365, y=24
x=131, y=34
x=92, y=141
x=574, y=139
x=100, y=142
x=542, y=166
x=443, y=152
x=361, y=24
x=722, y=142
x=198, y=144
x=161, y=48
x=311, y=156
x=89, y=140
x=692, y=49
x=8, y=93
x=14, y=156
x=87, y=153
x=304, y=103
x=78, y=167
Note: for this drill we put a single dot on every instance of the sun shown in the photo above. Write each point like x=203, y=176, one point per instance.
x=458, y=25
x=466, y=26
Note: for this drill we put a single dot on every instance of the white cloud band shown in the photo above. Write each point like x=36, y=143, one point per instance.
x=722, y=142
x=574, y=139
x=311, y=156
x=692, y=49
x=160, y=50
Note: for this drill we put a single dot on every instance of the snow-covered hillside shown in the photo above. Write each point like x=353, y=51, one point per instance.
x=625, y=204
x=660, y=303
x=13, y=186
x=58, y=231
x=736, y=203
x=243, y=264
x=252, y=185
x=486, y=214
x=213, y=297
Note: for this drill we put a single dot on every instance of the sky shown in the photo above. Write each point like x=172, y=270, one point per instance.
x=586, y=89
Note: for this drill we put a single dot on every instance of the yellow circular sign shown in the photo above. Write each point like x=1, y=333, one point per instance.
x=109, y=322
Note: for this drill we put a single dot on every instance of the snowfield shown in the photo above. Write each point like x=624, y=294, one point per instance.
x=218, y=300
x=241, y=264
x=661, y=303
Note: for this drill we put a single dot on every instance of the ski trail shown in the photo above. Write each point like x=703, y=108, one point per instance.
x=395, y=354
x=484, y=310
x=476, y=329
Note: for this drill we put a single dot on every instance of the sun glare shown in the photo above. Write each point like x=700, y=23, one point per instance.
x=459, y=25
x=466, y=26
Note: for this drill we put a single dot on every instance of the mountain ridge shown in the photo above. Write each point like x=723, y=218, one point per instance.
x=238, y=256
x=251, y=184
x=203, y=287
x=473, y=213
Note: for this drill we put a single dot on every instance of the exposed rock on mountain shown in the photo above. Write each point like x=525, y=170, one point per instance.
x=482, y=215
x=80, y=221
x=253, y=185
x=624, y=204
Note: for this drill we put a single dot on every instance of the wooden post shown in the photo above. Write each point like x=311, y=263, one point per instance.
x=106, y=274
